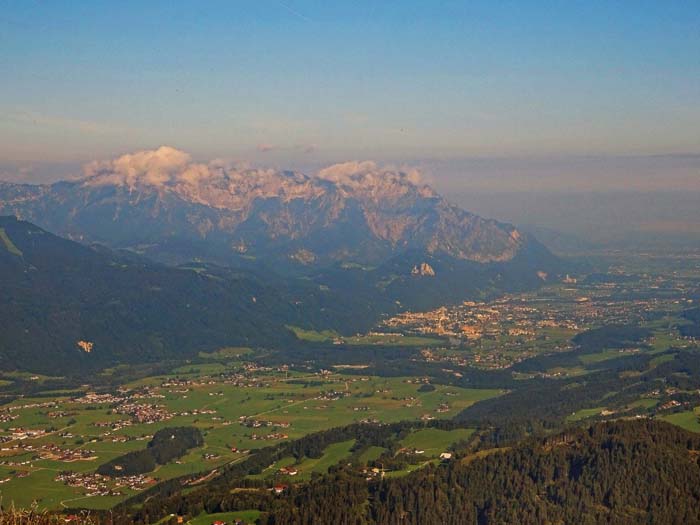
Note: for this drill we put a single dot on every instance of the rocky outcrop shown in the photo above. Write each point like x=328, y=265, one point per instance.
x=423, y=270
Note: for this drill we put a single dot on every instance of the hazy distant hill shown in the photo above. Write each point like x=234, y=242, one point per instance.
x=57, y=293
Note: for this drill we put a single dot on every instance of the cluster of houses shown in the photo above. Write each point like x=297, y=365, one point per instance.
x=92, y=482
x=197, y=412
x=6, y=417
x=411, y=402
x=16, y=475
x=45, y=404
x=20, y=433
x=55, y=414
x=243, y=381
x=372, y=473
x=333, y=395
x=177, y=382
x=54, y=452
x=269, y=437
x=93, y=398
x=113, y=425
x=143, y=413
x=258, y=423
x=146, y=392
x=521, y=319
x=98, y=485
x=673, y=403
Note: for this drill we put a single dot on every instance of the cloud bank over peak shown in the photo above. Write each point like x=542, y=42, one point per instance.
x=149, y=167
x=355, y=173
x=169, y=168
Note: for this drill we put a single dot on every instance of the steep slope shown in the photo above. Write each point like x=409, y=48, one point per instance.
x=66, y=306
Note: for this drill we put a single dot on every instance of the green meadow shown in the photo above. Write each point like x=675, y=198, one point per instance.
x=434, y=441
x=9, y=245
x=289, y=405
x=689, y=419
x=327, y=336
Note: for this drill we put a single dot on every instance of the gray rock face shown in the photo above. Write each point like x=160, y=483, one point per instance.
x=163, y=204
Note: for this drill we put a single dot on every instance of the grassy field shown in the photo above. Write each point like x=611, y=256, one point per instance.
x=689, y=420
x=599, y=357
x=27, y=376
x=249, y=516
x=331, y=456
x=226, y=354
x=314, y=336
x=434, y=441
x=483, y=453
x=411, y=468
x=212, y=396
x=393, y=340
x=585, y=413
x=9, y=245
x=370, y=454
x=327, y=336
x=644, y=403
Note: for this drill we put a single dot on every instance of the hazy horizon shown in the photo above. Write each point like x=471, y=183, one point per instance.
x=601, y=201
x=488, y=101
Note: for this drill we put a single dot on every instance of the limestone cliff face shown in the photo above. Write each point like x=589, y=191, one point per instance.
x=351, y=212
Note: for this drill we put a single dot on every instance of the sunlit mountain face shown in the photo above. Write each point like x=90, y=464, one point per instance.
x=162, y=203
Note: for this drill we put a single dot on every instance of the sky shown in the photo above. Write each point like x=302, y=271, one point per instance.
x=494, y=96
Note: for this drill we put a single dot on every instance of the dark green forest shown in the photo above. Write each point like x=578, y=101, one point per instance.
x=57, y=292
x=626, y=472
x=622, y=472
x=167, y=444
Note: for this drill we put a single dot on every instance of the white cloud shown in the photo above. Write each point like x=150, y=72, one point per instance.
x=150, y=167
x=226, y=184
x=368, y=172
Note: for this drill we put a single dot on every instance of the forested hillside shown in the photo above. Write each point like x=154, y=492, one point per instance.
x=622, y=472
x=69, y=308
x=625, y=472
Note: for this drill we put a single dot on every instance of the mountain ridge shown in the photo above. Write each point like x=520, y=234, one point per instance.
x=355, y=212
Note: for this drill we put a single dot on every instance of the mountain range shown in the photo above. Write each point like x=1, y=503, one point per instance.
x=157, y=256
x=163, y=205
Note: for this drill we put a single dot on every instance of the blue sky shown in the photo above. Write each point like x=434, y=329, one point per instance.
x=303, y=83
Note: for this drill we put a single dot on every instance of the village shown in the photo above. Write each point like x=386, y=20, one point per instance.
x=500, y=333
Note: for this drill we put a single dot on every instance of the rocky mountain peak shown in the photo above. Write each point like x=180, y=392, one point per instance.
x=234, y=186
x=353, y=211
